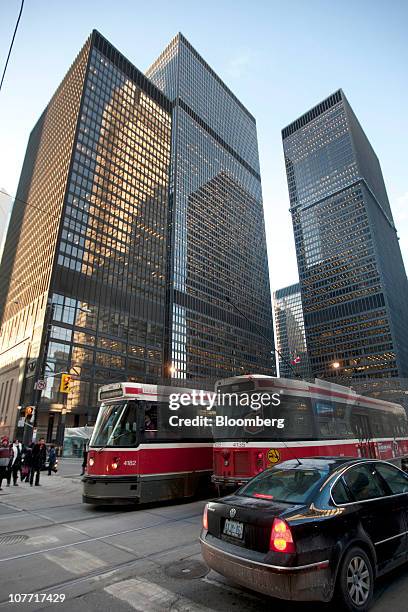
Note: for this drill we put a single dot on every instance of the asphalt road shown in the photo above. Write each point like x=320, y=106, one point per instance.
x=145, y=559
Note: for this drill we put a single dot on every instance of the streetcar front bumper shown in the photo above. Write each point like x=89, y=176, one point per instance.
x=103, y=490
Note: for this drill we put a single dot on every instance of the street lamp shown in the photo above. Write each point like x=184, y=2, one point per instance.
x=335, y=365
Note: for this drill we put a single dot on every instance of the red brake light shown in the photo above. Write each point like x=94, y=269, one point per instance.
x=263, y=496
x=205, y=517
x=281, y=537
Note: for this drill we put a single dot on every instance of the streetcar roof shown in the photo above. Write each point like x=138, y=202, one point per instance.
x=309, y=389
x=123, y=390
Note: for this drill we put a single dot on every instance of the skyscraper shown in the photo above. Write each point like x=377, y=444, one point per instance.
x=138, y=215
x=83, y=272
x=217, y=225
x=290, y=333
x=352, y=277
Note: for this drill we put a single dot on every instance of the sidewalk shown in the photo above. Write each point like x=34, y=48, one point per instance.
x=66, y=483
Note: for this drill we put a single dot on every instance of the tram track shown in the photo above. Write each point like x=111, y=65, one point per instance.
x=73, y=521
x=53, y=523
x=96, y=538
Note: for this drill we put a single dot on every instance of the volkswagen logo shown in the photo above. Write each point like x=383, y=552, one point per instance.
x=232, y=512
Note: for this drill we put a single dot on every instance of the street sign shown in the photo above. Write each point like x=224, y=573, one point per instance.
x=20, y=422
x=40, y=385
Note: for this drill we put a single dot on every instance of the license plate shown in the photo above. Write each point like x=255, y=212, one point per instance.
x=234, y=529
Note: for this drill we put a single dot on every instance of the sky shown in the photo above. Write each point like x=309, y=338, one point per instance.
x=279, y=58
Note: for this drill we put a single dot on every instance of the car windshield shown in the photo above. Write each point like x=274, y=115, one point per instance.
x=294, y=486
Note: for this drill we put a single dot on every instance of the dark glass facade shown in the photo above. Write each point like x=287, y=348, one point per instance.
x=352, y=277
x=290, y=333
x=99, y=259
x=217, y=226
x=137, y=216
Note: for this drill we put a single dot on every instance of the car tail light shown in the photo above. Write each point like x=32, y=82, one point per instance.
x=281, y=537
x=205, y=517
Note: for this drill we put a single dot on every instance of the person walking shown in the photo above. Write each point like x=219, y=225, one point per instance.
x=52, y=459
x=39, y=456
x=15, y=461
x=4, y=459
x=85, y=456
x=26, y=463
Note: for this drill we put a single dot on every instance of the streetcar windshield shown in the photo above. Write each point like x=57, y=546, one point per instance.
x=117, y=425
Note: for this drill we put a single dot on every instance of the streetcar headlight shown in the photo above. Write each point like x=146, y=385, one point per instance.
x=115, y=464
x=91, y=461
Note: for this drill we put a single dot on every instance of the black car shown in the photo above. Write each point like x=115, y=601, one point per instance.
x=311, y=529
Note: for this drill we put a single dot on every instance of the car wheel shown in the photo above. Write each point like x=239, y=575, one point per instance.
x=356, y=581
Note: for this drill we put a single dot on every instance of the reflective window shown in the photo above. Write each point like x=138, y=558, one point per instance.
x=364, y=483
x=395, y=479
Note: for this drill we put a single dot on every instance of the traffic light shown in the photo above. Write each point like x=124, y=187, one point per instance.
x=65, y=382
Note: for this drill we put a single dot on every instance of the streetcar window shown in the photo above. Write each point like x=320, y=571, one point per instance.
x=298, y=417
x=157, y=426
x=331, y=419
x=295, y=411
x=150, y=421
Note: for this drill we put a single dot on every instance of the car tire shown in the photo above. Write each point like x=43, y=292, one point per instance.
x=355, y=581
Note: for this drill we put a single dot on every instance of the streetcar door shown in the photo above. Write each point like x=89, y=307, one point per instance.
x=362, y=429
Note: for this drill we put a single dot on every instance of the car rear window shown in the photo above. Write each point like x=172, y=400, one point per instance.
x=291, y=485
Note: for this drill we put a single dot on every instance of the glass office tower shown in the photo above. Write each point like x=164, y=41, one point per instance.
x=217, y=226
x=138, y=216
x=290, y=333
x=352, y=277
x=83, y=271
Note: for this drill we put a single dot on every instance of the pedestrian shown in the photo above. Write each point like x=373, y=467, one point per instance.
x=26, y=463
x=4, y=459
x=85, y=456
x=39, y=456
x=52, y=460
x=15, y=461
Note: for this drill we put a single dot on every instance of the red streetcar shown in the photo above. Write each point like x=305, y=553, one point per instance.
x=321, y=419
x=136, y=456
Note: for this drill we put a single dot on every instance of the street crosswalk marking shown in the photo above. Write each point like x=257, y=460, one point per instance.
x=75, y=561
x=145, y=596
